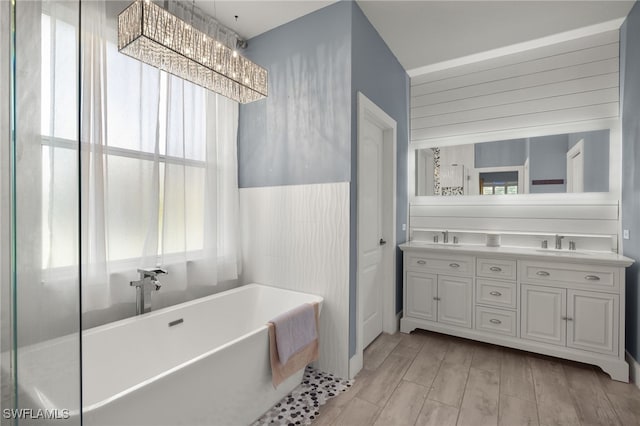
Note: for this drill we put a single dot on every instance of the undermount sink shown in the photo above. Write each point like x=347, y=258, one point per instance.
x=438, y=245
x=563, y=252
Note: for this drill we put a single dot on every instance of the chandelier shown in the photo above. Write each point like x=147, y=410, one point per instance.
x=154, y=36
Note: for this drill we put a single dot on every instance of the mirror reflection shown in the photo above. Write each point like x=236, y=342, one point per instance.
x=575, y=162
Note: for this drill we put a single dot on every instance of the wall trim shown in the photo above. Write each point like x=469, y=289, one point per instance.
x=634, y=369
x=520, y=47
x=355, y=364
x=367, y=108
x=247, y=188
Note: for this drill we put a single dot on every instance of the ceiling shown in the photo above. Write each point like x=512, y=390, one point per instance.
x=258, y=16
x=422, y=33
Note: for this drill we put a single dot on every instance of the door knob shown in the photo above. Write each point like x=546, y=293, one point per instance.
x=382, y=242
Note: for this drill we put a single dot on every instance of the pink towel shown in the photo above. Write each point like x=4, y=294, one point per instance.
x=295, y=329
x=281, y=371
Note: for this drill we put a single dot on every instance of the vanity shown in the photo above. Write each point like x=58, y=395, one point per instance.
x=561, y=303
x=516, y=241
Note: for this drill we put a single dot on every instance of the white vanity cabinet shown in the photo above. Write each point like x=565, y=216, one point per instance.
x=421, y=295
x=543, y=314
x=566, y=305
x=577, y=306
x=496, y=298
x=439, y=289
x=454, y=300
x=577, y=319
x=592, y=321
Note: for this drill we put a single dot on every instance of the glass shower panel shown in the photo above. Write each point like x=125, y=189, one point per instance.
x=7, y=385
x=46, y=264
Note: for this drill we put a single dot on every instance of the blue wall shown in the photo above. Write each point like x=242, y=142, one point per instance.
x=376, y=73
x=630, y=95
x=305, y=131
x=548, y=160
x=501, y=153
x=301, y=133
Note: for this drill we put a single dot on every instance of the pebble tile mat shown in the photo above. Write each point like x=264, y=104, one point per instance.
x=302, y=405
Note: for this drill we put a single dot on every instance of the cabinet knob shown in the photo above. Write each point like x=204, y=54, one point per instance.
x=422, y=262
x=567, y=318
x=543, y=273
x=495, y=321
x=454, y=265
x=495, y=293
x=592, y=278
x=495, y=269
x=436, y=298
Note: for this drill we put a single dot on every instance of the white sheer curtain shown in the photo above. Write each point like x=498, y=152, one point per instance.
x=158, y=176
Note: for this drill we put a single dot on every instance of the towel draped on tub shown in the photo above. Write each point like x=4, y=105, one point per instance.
x=293, y=341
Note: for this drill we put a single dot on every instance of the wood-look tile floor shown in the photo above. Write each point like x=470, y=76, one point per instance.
x=427, y=378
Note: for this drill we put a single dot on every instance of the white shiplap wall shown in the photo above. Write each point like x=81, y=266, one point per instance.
x=571, y=81
x=591, y=216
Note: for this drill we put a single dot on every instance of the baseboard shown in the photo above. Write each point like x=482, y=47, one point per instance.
x=634, y=369
x=355, y=364
x=398, y=317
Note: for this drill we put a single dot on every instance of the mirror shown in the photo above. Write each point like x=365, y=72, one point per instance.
x=574, y=162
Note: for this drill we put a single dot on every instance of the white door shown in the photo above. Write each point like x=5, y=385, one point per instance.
x=454, y=300
x=422, y=296
x=592, y=319
x=527, y=178
x=575, y=168
x=544, y=311
x=370, y=238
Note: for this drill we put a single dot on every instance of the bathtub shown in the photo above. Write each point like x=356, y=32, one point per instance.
x=204, y=362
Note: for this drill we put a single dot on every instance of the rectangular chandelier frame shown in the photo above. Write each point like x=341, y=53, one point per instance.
x=154, y=36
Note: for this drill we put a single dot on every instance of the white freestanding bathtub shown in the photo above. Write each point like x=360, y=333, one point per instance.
x=204, y=362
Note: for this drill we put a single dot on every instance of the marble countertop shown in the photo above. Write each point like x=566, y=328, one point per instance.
x=570, y=256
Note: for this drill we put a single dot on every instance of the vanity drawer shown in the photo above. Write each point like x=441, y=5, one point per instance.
x=462, y=265
x=496, y=268
x=496, y=321
x=496, y=293
x=572, y=275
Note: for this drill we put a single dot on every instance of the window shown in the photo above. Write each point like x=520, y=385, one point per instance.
x=154, y=155
x=59, y=129
x=499, y=183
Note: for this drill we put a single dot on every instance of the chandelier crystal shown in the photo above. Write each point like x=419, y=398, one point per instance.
x=154, y=36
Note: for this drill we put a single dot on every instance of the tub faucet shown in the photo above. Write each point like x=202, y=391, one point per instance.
x=147, y=283
x=559, y=242
x=445, y=236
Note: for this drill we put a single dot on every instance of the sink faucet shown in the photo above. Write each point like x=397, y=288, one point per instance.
x=148, y=282
x=559, y=242
x=445, y=236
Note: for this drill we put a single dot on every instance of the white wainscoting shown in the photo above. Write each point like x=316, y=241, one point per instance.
x=566, y=82
x=297, y=237
x=596, y=214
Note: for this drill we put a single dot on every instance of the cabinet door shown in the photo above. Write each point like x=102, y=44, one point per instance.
x=592, y=321
x=421, y=294
x=454, y=300
x=543, y=313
